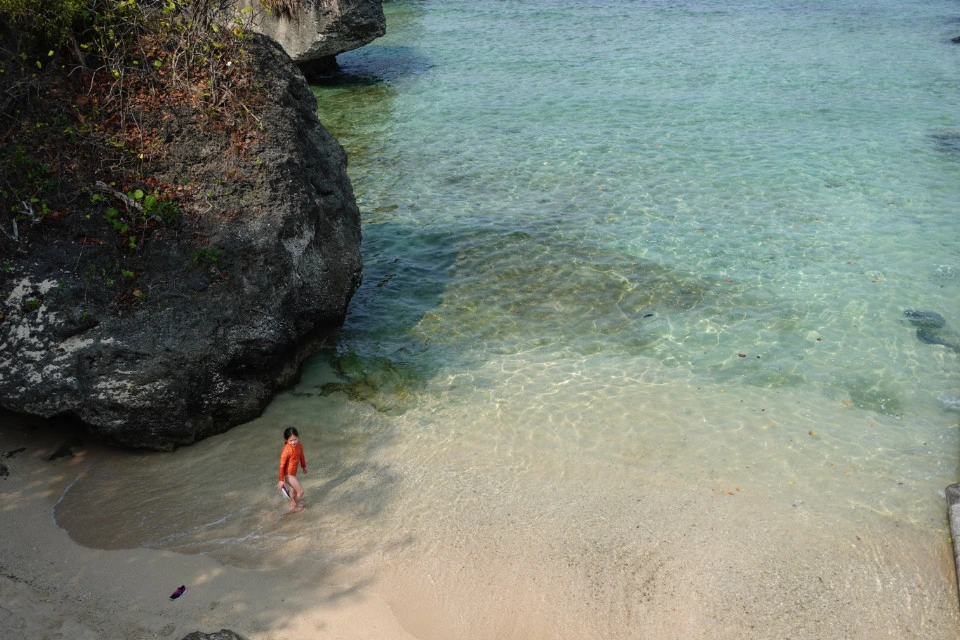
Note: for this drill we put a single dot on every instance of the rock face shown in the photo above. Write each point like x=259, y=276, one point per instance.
x=321, y=29
x=210, y=333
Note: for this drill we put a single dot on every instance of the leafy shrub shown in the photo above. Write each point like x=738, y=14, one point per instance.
x=43, y=23
x=26, y=182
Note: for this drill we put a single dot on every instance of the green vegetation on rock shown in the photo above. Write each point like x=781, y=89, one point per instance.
x=92, y=93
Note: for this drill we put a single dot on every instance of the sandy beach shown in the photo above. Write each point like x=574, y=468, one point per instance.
x=699, y=565
x=51, y=587
x=658, y=338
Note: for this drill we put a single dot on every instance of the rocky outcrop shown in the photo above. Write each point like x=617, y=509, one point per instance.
x=207, y=319
x=321, y=29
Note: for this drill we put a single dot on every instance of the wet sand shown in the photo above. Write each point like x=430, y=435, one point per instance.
x=555, y=559
x=51, y=587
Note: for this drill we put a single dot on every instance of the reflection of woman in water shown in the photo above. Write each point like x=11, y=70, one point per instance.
x=290, y=457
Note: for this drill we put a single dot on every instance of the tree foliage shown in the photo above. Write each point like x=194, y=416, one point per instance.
x=47, y=23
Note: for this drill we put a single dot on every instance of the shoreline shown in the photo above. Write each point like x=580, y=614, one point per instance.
x=52, y=587
x=575, y=555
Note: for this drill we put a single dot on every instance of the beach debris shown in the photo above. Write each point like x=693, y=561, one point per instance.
x=10, y=454
x=742, y=355
x=4, y=471
x=182, y=589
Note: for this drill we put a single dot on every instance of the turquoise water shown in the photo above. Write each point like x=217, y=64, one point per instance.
x=589, y=189
x=623, y=259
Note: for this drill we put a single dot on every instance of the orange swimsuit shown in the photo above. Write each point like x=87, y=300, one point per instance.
x=289, y=458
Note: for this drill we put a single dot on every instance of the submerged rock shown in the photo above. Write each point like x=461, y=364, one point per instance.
x=202, y=338
x=320, y=30
x=936, y=336
x=930, y=329
x=948, y=139
x=925, y=318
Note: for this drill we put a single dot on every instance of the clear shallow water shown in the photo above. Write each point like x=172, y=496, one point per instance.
x=613, y=245
x=618, y=194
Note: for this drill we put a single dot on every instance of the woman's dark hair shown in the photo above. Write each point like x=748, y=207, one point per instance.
x=290, y=431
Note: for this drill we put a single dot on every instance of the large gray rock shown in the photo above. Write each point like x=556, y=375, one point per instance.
x=195, y=330
x=321, y=29
x=953, y=513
